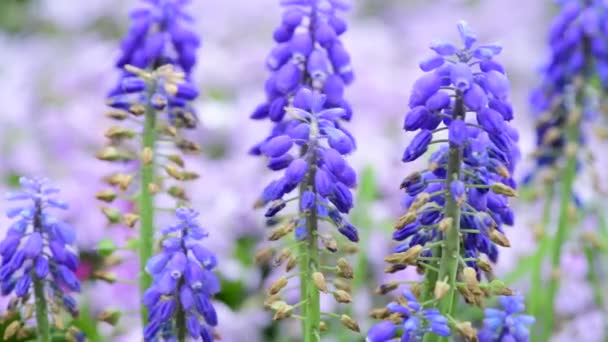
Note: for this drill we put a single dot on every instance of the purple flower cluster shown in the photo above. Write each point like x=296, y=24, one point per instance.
x=309, y=53
x=467, y=90
x=159, y=35
x=507, y=324
x=37, y=249
x=416, y=322
x=578, y=48
x=183, y=283
x=322, y=169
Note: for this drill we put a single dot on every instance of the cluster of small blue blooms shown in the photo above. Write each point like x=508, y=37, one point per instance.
x=159, y=35
x=36, y=249
x=507, y=325
x=309, y=53
x=183, y=283
x=326, y=177
x=460, y=82
x=578, y=48
x=415, y=321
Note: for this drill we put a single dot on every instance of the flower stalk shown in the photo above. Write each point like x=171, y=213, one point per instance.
x=146, y=199
x=450, y=253
x=42, y=313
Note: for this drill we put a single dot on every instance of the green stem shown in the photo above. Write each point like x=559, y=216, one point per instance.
x=146, y=203
x=592, y=277
x=450, y=250
x=312, y=307
x=42, y=317
x=42, y=313
x=537, y=290
x=302, y=248
x=567, y=179
x=180, y=324
x=448, y=266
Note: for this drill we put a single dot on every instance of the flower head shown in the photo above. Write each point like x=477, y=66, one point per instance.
x=183, y=282
x=316, y=131
x=416, y=321
x=481, y=145
x=577, y=51
x=309, y=53
x=508, y=324
x=159, y=35
x=37, y=247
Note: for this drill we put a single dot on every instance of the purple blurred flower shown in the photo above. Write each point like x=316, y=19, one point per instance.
x=182, y=282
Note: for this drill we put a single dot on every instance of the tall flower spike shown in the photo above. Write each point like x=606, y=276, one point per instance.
x=508, y=324
x=456, y=209
x=564, y=97
x=308, y=53
x=37, y=258
x=305, y=99
x=568, y=109
x=179, y=299
x=152, y=101
x=414, y=321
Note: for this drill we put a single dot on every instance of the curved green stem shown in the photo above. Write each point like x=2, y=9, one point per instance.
x=42, y=315
x=536, y=290
x=567, y=179
x=146, y=203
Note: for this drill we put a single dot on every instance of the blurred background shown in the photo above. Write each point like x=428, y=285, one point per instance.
x=57, y=63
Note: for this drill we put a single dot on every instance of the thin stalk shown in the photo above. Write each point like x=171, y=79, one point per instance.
x=42, y=315
x=560, y=237
x=312, y=307
x=303, y=258
x=593, y=278
x=146, y=202
x=180, y=324
x=450, y=250
x=567, y=177
x=536, y=290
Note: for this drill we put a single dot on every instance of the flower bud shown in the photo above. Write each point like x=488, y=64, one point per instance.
x=350, y=323
x=319, y=280
x=342, y=297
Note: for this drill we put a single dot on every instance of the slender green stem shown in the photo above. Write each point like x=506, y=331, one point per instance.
x=450, y=253
x=592, y=277
x=302, y=249
x=536, y=290
x=180, y=324
x=312, y=307
x=146, y=203
x=450, y=250
x=42, y=316
x=42, y=313
x=569, y=173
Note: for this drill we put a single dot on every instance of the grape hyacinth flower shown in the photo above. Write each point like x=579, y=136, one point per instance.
x=566, y=106
x=324, y=179
x=416, y=321
x=305, y=100
x=457, y=207
x=508, y=324
x=37, y=259
x=577, y=51
x=308, y=53
x=152, y=100
x=179, y=299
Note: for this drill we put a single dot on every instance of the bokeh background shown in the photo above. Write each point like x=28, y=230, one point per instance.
x=57, y=63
